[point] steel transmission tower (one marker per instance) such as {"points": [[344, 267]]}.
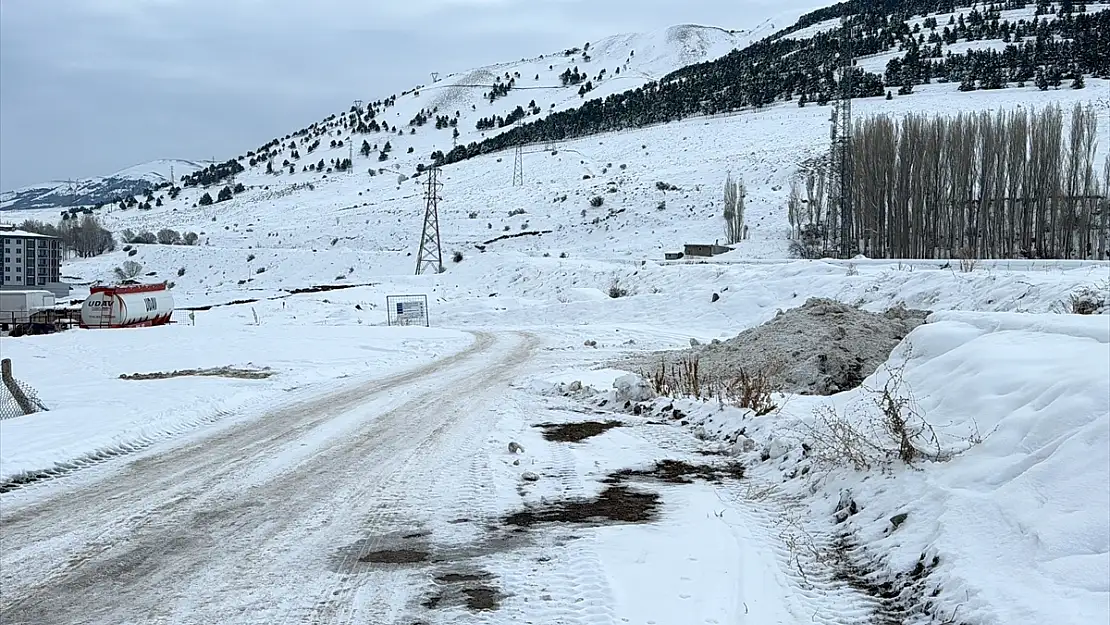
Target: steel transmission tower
{"points": [[431, 250], [518, 166], [840, 149]]}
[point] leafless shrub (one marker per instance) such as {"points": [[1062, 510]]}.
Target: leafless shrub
{"points": [[1086, 300], [128, 270], [682, 378], [968, 262], [891, 429], [755, 390], [616, 290]]}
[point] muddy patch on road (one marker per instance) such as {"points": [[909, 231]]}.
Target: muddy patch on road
{"points": [[395, 556], [455, 584], [418, 549], [470, 589], [620, 504], [576, 432], [679, 472], [616, 504]]}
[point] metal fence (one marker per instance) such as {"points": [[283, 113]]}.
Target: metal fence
{"points": [[16, 398]]}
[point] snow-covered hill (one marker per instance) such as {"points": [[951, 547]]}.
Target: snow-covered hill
{"points": [[127, 182]]}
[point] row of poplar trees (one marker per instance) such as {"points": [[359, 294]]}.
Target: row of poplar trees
{"points": [[1009, 184]]}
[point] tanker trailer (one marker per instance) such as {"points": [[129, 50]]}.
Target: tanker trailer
{"points": [[127, 306]]}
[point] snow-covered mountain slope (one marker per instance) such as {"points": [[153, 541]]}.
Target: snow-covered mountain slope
{"points": [[127, 182], [350, 213]]}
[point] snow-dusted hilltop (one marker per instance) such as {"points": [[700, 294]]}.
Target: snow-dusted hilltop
{"points": [[128, 182]]}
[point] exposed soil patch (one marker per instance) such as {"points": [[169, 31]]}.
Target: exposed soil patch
{"points": [[527, 233], [395, 556], [311, 289], [470, 589], [617, 504], [326, 287], [220, 372], [576, 432], [237, 302], [459, 578], [482, 598], [679, 472]]}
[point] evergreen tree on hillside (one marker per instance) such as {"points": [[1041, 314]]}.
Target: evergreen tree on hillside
{"points": [[205, 199]]}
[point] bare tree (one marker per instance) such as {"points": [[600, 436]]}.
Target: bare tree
{"points": [[985, 185], [734, 210], [86, 237]]}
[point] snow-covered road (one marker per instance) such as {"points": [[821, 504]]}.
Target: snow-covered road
{"points": [[242, 526], [389, 503]]}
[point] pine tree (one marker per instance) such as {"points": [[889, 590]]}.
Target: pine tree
{"points": [[1041, 80]]}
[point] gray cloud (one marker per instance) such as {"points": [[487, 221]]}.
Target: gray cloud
{"points": [[91, 86]]}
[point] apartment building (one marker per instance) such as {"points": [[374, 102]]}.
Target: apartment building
{"points": [[30, 261]]}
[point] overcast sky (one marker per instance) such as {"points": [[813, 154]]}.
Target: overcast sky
{"points": [[88, 87]]}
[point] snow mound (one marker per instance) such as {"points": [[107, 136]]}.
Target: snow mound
{"points": [[819, 348], [1032, 498]]}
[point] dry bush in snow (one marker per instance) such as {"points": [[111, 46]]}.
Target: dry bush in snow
{"points": [[1087, 300], [884, 427]]}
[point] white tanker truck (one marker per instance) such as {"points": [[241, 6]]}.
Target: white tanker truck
{"points": [[127, 306]]}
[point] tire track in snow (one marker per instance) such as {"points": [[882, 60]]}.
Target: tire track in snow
{"points": [[775, 523], [201, 479], [572, 590], [407, 497]]}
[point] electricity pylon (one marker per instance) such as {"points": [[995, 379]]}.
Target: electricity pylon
{"points": [[431, 249]]}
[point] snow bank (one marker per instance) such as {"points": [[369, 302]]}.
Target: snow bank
{"points": [[1019, 523]]}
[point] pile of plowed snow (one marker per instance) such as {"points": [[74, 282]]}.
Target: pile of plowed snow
{"points": [[819, 348]]}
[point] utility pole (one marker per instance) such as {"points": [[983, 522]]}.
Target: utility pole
{"points": [[518, 166], [431, 250], [840, 155], [171, 176], [351, 155]]}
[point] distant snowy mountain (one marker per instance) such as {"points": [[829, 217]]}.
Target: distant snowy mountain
{"points": [[100, 190]]}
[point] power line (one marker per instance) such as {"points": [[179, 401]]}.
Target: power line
{"points": [[492, 86]]}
